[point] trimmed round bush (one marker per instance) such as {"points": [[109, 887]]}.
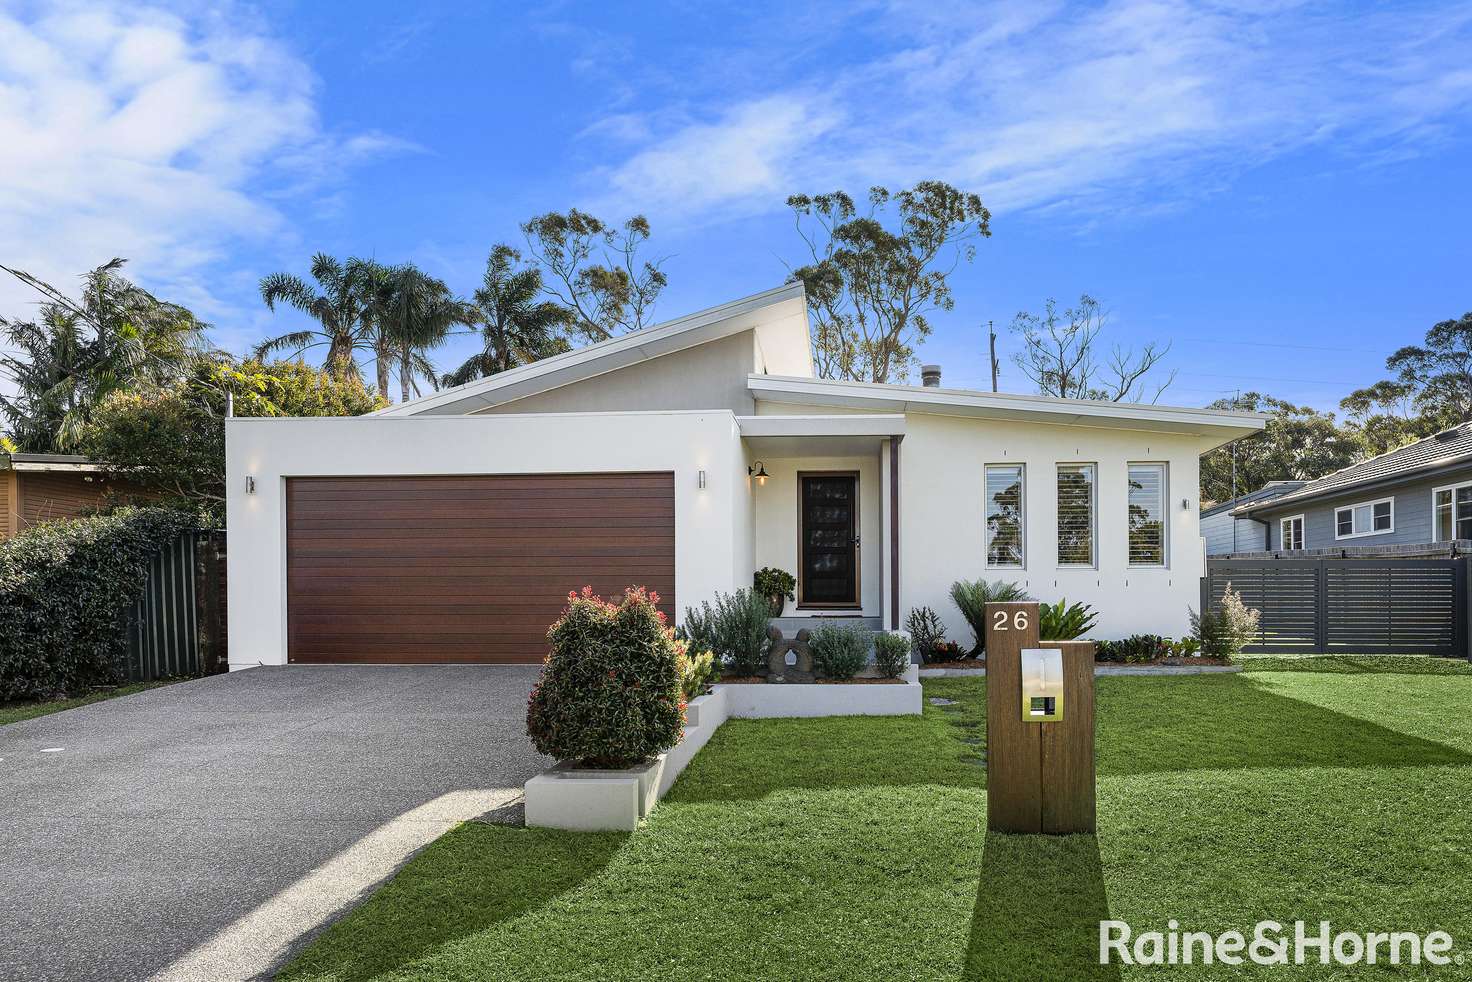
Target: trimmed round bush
{"points": [[839, 651], [65, 591], [610, 692], [891, 654]]}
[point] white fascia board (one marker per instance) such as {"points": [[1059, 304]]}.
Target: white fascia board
{"points": [[596, 359], [799, 426], [32, 467], [1218, 424]]}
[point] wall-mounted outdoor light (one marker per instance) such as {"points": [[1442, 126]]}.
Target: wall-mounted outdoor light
{"points": [[250, 484], [759, 471], [1185, 504], [702, 480]]}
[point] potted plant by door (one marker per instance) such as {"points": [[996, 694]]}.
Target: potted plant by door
{"points": [[776, 585]]}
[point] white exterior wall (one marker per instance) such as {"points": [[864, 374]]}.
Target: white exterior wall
{"points": [[776, 524], [943, 519], [712, 526]]}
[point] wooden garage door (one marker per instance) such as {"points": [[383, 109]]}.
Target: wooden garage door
{"points": [[464, 569]]}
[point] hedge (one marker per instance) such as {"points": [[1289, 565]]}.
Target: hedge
{"points": [[65, 588]]}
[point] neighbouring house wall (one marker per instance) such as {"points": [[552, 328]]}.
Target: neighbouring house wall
{"points": [[709, 541], [943, 530], [707, 376], [42, 496], [1413, 512], [9, 518], [1225, 534], [777, 514]]}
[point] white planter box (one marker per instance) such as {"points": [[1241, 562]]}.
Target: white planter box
{"points": [[758, 701], [569, 797]]}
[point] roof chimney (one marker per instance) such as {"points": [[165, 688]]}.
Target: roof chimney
{"points": [[930, 376]]}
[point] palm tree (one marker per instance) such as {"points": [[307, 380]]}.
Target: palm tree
{"points": [[340, 306], [517, 329], [419, 315], [116, 336], [376, 289]]}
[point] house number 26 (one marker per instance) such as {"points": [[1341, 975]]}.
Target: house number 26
{"points": [[1018, 619]]}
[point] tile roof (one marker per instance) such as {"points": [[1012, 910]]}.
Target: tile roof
{"points": [[1450, 446], [1272, 489]]}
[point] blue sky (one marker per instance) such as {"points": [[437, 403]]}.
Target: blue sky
{"points": [[1279, 189]]}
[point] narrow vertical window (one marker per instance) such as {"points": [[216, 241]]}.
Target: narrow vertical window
{"points": [[1075, 514], [1291, 532], [1004, 515], [1147, 515]]}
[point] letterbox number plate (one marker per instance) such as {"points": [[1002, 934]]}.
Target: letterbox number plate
{"points": [[1042, 685]]}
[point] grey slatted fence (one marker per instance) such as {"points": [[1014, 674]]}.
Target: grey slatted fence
{"points": [[1321, 606], [176, 626]]}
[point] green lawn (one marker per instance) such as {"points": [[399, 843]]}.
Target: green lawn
{"points": [[855, 848], [14, 712]]}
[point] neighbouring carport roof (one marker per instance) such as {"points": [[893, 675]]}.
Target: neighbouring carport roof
{"points": [[1225, 424], [52, 462]]}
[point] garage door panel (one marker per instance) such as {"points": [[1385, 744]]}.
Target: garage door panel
{"points": [[464, 569]]}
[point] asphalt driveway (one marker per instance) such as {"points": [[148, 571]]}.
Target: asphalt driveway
{"points": [[198, 830]]}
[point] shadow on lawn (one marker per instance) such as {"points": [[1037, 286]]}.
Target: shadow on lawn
{"points": [[510, 872], [1231, 722], [1358, 664], [1038, 909]]}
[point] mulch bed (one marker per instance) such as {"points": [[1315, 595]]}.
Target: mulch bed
{"points": [[964, 663], [1166, 661]]}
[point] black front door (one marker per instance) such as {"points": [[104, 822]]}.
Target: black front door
{"points": [[829, 526]]}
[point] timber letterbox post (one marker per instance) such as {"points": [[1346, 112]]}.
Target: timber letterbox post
{"points": [[1039, 726]]}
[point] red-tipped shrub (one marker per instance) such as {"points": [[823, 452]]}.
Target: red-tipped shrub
{"points": [[610, 693]]}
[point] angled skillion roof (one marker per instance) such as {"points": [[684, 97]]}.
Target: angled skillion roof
{"points": [[1441, 451], [1272, 489], [1221, 424], [779, 317]]}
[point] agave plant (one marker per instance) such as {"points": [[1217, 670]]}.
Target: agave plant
{"points": [[971, 598], [1064, 621]]}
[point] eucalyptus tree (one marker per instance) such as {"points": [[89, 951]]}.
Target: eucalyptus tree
{"points": [[596, 270], [871, 287], [116, 335], [340, 306], [516, 327]]}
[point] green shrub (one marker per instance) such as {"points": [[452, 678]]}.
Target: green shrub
{"points": [[971, 598], [1063, 621], [1225, 630], [697, 671], [1134, 649], [610, 691], [839, 651], [65, 590], [1185, 648], [734, 628], [777, 585], [891, 654], [926, 631]]}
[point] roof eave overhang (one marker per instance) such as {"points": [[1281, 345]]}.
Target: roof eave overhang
{"points": [[1218, 426]]}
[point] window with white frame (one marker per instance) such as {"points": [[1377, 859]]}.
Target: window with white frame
{"points": [[1076, 515], [1004, 500], [1453, 512], [1290, 532], [1365, 518], [1146, 504]]}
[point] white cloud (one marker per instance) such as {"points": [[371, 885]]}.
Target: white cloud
{"points": [[1042, 105], [132, 130]]}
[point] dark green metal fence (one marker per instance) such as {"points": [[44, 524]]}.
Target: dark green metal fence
{"points": [[176, 626]]}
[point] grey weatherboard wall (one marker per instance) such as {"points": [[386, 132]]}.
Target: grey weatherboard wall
{"points": [[1217, 530], [1412, 514]]}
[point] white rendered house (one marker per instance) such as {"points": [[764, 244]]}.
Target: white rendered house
{"points": [[451, 528]]}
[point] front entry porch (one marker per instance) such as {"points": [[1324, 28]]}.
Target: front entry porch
{"points": [[825, 512]]}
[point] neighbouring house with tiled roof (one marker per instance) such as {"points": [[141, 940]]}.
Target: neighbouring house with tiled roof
{"points": [[1414, 496]]}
